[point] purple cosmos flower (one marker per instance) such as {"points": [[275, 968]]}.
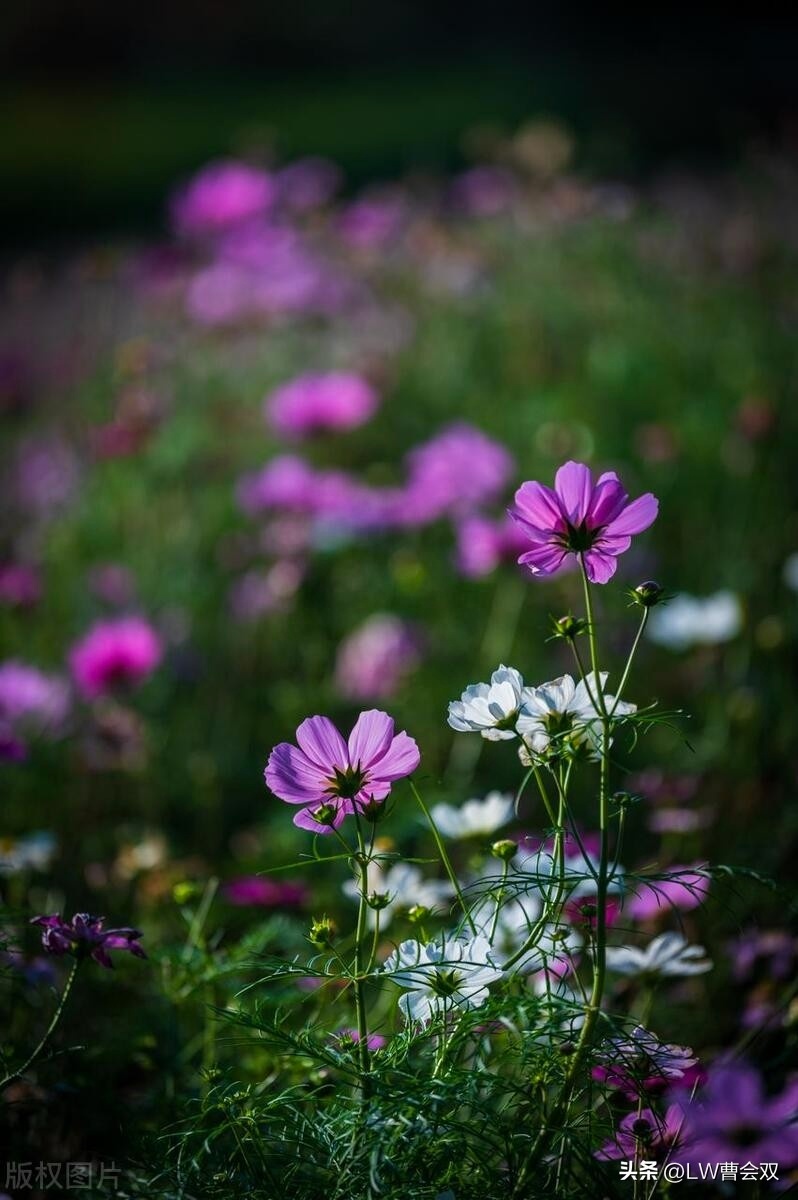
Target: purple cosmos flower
{"points": [[222, 194], [259, 892], [374, 659], [645, 1134], [331, 778], [335, 400], [580, 518], [732, 1120], [122, 651], [85, 937], [642, 1064]]}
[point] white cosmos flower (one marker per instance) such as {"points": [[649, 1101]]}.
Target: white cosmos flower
{"points": [[563, 710], [405, 887], [696, 621], [490, 708], [443, 976], [475, 817], [669, 954]]}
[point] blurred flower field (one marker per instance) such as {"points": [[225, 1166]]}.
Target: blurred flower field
{"points": [[259, 470]]}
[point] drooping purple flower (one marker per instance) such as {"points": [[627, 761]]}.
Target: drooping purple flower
{"points": [[334, 400], [375, 658], [731, 1119], [580, 518], [259, 892], [117, 652], [645, 1134], [331, 778], [222, 194], [86, 937]]}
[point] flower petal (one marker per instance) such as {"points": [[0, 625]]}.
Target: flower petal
{"points": [[401, 758], [573, 484], [370, 737], [600, 567], [636, 517], [537, 509], [293, 777], [322, 743], [544, 560]]}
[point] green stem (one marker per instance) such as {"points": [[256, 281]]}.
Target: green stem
{"points": [[630, 660], [444, 857], [360, 998], [48, 1033]]}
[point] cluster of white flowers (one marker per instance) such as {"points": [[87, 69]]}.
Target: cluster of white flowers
{"points": [[545, 718]]}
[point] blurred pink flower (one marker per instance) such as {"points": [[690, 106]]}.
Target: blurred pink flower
{"points": [[307, 183], [122, 651], [376, 657], [684, 888], [260, 892], [455, 472], [260, 592], [374, 220], [32, 703], [222, 194], [20, 585], [334, 400], [484, 191], [483, 544]]}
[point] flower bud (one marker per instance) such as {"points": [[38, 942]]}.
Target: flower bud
{"points": [[325, 814], [504, 849], [373, 810], [569, 627], [378, 900], [184, 891], [418, 914], [647, 594], [322, 932]]}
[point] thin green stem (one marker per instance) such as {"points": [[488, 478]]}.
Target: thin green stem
{"points": [[630, 660], [360, 998], [31, 1059], [447, 864]]}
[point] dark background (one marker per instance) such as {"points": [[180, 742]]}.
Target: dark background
{"points": [[102, 106]]}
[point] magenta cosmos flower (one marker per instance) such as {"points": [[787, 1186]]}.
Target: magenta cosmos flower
{"points": [[222, 194], [331, 400], [580, 518], [331, 778], [86, 937], [123, 651]]}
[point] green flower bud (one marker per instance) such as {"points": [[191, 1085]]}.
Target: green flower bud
{"points": [[647, 594], [378, 900], [418, 914], [504, 849], [322, 932], [569, 627]]}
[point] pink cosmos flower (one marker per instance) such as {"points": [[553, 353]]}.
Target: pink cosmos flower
{"points": [[374, 659], [31, 704], [331, 778], [222, 194], [122, 651], [685, 888], [645, 1134], [580, 518], [482, 544], [454, 472], [334, 400]]}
